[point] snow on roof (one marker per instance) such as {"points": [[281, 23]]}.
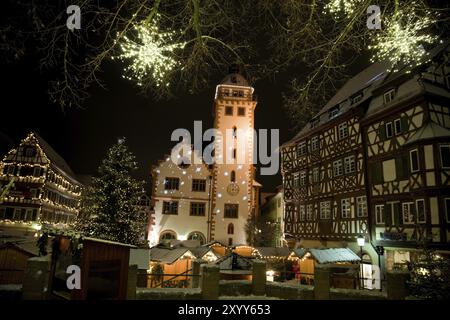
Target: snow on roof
{"points": [[108, 242], [168, 255], [328, 255], [233, 261], [54, 157], [235, 79], [362, 84], [273, 251]]}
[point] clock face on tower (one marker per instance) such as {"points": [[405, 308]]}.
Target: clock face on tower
{"points": [[233, 189]]}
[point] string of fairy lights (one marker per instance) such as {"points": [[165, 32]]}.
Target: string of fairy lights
{"points": [[402, 40], [150, 53], [402, 37]]}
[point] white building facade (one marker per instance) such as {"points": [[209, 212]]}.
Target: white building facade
{"points": [[212, 202]]}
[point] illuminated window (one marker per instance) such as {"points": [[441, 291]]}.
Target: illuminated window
{"points": [[316, 175], [197, 209], [168, 235], [309, 212], [296, 179], [379, 214], [343, 130], [445, 155], [361, 206], [397, 126], [345, 208], [301, 149], [170, 207], [231, 210], [447, 209], [229, 110], [230, 228], [199, 185], [389, 132], [420, 210], [389, 96], [171, 183], [302, 213], [315, 143], [197, 236], [407, 212], [414, 158], [325, 210], [334, 112], [338, 169], [349, 164], [302, 178]]}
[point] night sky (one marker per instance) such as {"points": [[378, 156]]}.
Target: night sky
{"points": [[82, 136]]}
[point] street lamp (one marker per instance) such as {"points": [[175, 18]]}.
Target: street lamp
{"points": [[361, 241]]}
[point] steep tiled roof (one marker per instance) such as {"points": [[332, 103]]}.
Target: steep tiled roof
{"points": [[54, 157]]}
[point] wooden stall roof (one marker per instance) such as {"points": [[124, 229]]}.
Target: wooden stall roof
{"points": [[272, 251], [168, 255], [330, 255], [233, 261], [108, 242]]}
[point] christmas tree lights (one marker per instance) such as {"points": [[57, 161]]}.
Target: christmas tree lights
{"points": [[402, 40], [151, 54]]}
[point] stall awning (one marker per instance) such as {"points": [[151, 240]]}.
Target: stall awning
{"points": [[329, 255], [334, 255]]}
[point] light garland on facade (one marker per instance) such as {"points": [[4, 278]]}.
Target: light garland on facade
{"points": [[402, 39], [151, 54]]}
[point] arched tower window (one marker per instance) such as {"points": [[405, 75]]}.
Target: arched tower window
{"points": [[167, 235], [197, 236], [233, 176], [230, 228]]}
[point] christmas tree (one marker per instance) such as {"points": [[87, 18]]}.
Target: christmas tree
{"points": [[430, 275], [109, 206]]}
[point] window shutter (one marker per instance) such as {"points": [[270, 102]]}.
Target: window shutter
{"points": [[401, 167], [404, 124], [382, 132], [377, 173], [397, 218], [388, 215]]}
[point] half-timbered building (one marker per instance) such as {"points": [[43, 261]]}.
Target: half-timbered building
{"points": [[375, 163], [323, 170], [44, 189], [407, 144]]}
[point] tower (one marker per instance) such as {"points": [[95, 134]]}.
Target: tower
{"points": [[233, 173]]}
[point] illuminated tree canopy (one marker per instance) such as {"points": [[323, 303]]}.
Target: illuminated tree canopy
{"points": [[170, 46]]}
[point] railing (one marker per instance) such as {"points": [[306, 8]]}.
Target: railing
{"points": [[337, 280], [172, 282]]}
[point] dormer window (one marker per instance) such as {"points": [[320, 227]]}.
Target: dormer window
{"points": [[315, 122], [334, 112], [389, 96], [357, 98]]}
